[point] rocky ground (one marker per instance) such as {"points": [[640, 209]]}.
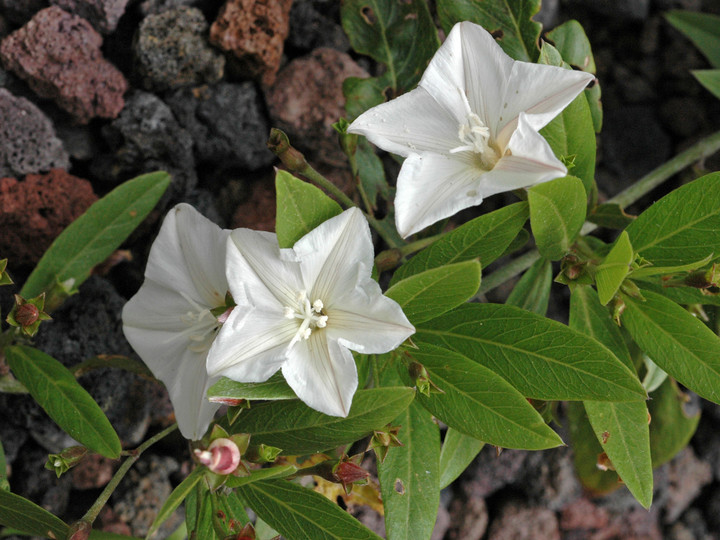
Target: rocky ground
{"points": [[94, 92]]}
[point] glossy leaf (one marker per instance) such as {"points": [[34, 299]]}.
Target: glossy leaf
{"points": [[651, 270], [557, 211], [703, 29], [300, 208], [176, 498], [542, 358], [671, 426], [532, 291], [26, 516], [682, 226], [66, 402], [431, 293], [710, 79], [484, 238], [399, 35], [93, 237], [510, 21], [300, 513], [458, 451], [480, 403], [298, 429], [676, 341], [274, 388], [614, 269]]}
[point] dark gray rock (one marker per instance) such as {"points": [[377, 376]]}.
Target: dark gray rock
{"points": [[31, 480], [171, 50], [520, 522], [637, 10], [311, 28], [153, 7], [491, 472], [102, 14], [227, 123], [28, 143], [146, 137], [687, 476], [554, 483], [20, 11]]}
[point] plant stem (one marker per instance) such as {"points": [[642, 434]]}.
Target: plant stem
{"points": [[94, 510], [700, 150], [390, 258]]}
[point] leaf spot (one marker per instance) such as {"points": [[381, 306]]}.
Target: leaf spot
{"points": [[369, 15], [399, 486], [497, 34]]}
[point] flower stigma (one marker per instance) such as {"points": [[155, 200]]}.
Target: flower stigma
{"points": [[311, 315], [475, 136], [203, 326]]}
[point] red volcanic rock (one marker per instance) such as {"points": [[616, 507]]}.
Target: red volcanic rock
{"points": [[254, 31], [258, 212], [59, 56], [35, 210]]}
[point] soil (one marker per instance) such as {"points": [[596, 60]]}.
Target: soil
{"points": [[94, 92]]}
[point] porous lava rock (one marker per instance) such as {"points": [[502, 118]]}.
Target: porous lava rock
{"points": [[258, 212], [28, 143], [254, 32], [103, 14], [311, 27], [171, 50], [59, 56], [227, 122], [146, 137], [35, 210], [153, 7], [307, 99]]}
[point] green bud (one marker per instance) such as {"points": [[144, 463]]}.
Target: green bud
{"points": [[65, 460], [262, 453], [348, 141], [28, 314]]}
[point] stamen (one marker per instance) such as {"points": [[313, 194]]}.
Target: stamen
{"points": [[311, 315], [289, 313], [318, 306]]}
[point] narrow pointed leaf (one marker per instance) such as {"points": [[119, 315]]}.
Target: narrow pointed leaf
{"points": [[682, 226], [509, 20], [480, 403], [542, 358], [176, 498], [532, 292], [198, 513], [26, 516], [298, 429], [300, 208], [66, 402], [614, 269], [302, 514], [557, 211], [92, 238], [671, 426], [484, 238], [228, 508], [271, 473], [458, 451], [274, 388], [676, 341], [703, 29], [433, 292], [710, 79]]}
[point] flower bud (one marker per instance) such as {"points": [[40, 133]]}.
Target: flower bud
{"points": [[65, 460], [80, 530], [221, 457], [27, 314], [348, 473]]}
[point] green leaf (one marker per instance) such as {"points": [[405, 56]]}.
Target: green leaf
{"points": [[103, 361], [557, 211], [510, 21], [484, 238], [458, 451], [543, 359], [532, 291], [104, 535], [400, 35], [228, 509], [703, 29], [66, 402], [480, 403], [621, 428], [573, 44], [371, 172], [300, 208], [571, 134], [710, 79], [409, 477], [92, 238], [651, 270], [680, 295], [361, 95], [26, 516], [178, 495], [594, 95], [431, 293], [274, 388], [4, 484], [300, 513], [654, 376], [298, 429], [610, 216], [671, 427], [263, 531], [199, 513], [682, 226], [270, 473], [676, 341], [614, 269]]}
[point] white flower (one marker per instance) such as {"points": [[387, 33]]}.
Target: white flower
{"points": [[168, 321], [301, 309], [470, 128]]}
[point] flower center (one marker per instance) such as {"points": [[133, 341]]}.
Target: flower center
{"points": [[311, 315], [203, 326], [475, 136]]}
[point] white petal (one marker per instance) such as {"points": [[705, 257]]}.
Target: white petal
{"points": [[251, 345], [470, 60], [323, 374], [257, 268], [431, 187], [155, 307], [366, 321], [540, 91], [411, 123], [334, 255], [189, 256]]}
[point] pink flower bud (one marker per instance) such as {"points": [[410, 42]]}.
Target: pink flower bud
{"points": [[27, 314], [221, 457]]}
